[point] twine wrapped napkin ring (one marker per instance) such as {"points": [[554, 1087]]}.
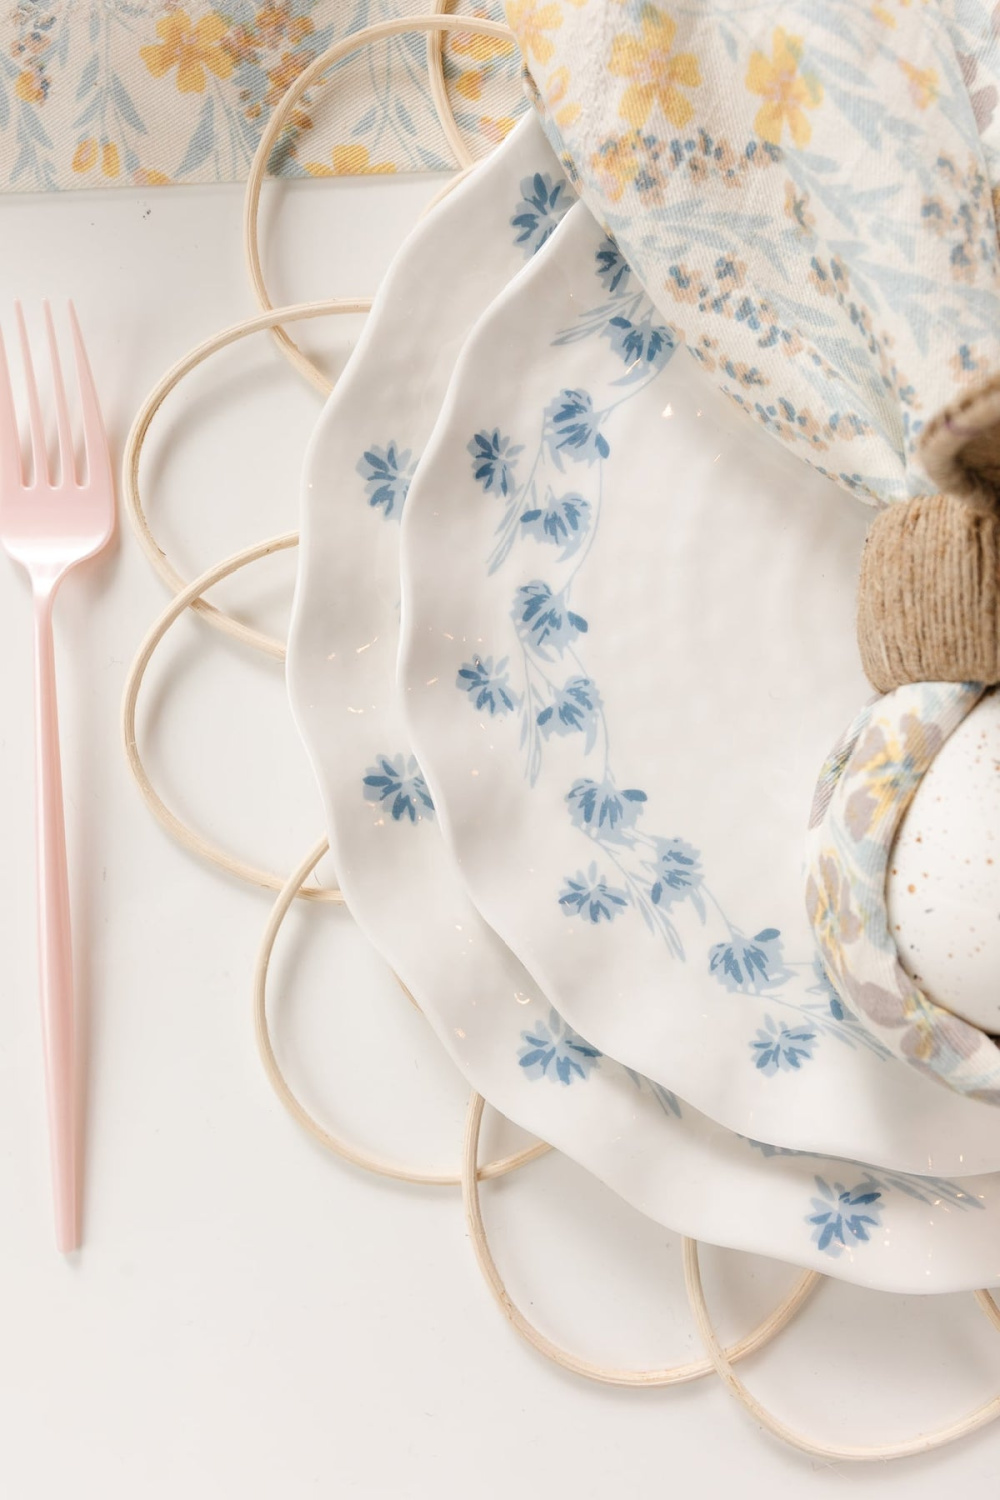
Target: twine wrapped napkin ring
{"points": [[929, 638], [929, 591]]}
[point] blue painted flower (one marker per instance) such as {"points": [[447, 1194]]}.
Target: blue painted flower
{"points": [[396, 783], [642, 344], [613, 269], [599, 808], [488, 686], [824, 987], [843, 1217], [543, 203], [563, 520], [572, 427], [543, 620], [494, 461], [587, 894], [678, 871], [387, 473], [781, 1047], [575, 709], [749, 964], [555, 1051]]}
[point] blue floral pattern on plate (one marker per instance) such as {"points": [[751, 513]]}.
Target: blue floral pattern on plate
{"points": [[780, 1048], [543, 203], [387, 473], [494, 461], [588, 894], [845, 1217], [553, 1050], [396, 783], [655, 875], [488, 686]]}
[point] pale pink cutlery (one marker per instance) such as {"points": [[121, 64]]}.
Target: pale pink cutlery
{"points": [[48, 524]]}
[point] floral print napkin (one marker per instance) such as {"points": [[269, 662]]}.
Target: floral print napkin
{"points": [[149, 92], [806, 189]]}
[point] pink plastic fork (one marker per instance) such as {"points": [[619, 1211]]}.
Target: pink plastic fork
{"points": [[48, 526]]}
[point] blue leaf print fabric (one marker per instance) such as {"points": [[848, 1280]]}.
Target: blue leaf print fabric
{"points": [[807, 188]]}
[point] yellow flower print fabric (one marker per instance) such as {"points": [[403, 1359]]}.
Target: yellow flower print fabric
{"points": [[656, 73], [148, 92], [806, 188]]}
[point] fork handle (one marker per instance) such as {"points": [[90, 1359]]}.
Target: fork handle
{"points": [[55, 953]]}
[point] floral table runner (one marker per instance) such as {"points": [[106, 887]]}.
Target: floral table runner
{"points": [[105, 93]]}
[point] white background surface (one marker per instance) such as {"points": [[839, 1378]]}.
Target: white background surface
{"points": [[249, 1318]]}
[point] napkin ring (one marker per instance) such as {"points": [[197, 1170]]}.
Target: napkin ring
{"points": [[929, 639]]}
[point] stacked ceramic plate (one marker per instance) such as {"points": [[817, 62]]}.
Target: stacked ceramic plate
{"points": [[571, 638]]}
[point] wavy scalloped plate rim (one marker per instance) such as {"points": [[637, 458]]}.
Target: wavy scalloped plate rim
{"points": [[629, 644], [877, 1228]]}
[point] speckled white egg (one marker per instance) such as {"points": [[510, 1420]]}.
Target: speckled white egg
{"points": [[943, 883]]}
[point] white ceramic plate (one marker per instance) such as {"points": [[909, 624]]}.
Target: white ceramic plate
{"points": [[630, 645], [873, 1227]]}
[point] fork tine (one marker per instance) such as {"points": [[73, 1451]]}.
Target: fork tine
{"points": [[95, 435], [11, 477], [39, 457], [67, 468]]}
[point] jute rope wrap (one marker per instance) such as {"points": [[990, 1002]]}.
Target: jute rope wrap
{"points": [[929, 590], [929, 595], [191, 596]]}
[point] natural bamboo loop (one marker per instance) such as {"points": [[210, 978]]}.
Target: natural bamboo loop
{"points": [[359, 1156], [439, 92], [137, 437], [817, 1447], [576, 1363], [187, 837], [434, 23]]}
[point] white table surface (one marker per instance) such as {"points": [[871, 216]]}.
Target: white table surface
{"points": [[250, 1318]]}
